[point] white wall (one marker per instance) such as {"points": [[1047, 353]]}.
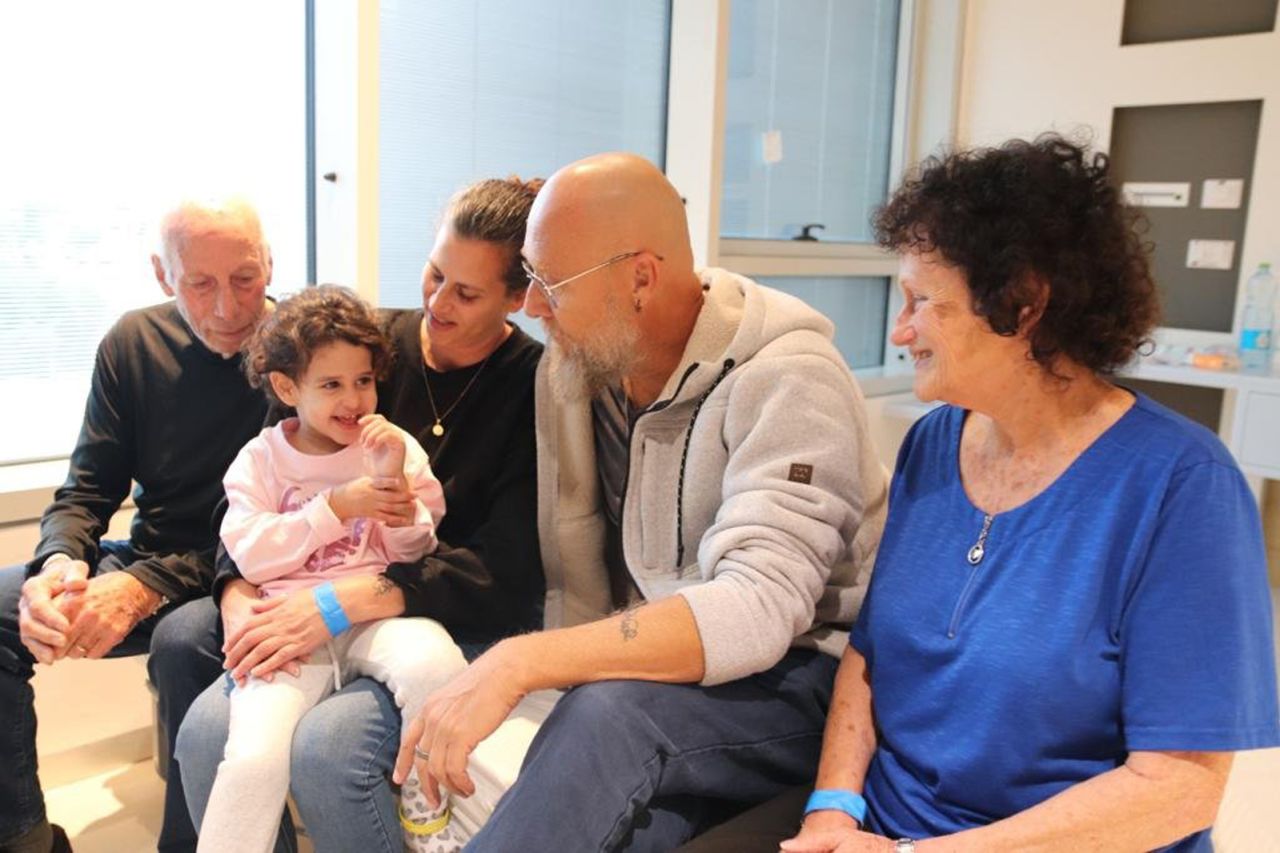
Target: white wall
{"points": [[1031, 67]]}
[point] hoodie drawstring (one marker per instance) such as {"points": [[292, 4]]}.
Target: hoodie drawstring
{"points": [[684, 456]]}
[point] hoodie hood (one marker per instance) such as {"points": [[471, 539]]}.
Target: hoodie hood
{"points": [[739, 318]]}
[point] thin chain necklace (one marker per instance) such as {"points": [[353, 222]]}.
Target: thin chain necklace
{"points": [[438, 428]]}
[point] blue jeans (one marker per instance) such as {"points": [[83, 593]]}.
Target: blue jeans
{"points": [[178, 676], [340, 766], [638, 765]]}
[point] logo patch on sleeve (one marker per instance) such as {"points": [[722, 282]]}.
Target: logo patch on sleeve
{"points": [[800, 473]]}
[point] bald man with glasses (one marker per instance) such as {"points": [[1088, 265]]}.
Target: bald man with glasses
{"points": [[709, 510]]}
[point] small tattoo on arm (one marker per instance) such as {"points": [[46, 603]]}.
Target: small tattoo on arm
{"points": [[628, 625], [383, 585]]}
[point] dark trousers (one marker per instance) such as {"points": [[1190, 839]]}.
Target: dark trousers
{"points": [[637, 765], [760, 829], [178, 675]]}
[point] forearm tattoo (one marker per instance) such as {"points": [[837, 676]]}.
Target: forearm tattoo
{"points": [[628, 625], [383, 585]]}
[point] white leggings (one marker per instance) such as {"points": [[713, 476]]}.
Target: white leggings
{"points": [[411, 656]]}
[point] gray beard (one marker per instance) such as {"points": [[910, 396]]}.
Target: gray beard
{"points": [[585, 369]]}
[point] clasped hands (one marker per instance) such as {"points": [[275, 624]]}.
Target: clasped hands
{"points": [[65, 613]]}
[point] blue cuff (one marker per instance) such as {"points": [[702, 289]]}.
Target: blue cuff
{"points": [[840, 800], [335, 618]]}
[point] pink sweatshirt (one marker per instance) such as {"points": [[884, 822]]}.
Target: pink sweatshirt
{"points": [[281, 532]]}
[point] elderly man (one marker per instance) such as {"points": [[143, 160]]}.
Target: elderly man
{"points": [[168, 409], [705, 475]]}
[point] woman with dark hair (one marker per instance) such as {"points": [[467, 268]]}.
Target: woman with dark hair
{"points": [[461, 382], [1068, 629]]}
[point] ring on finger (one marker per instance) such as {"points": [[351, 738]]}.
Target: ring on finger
{"points": [[421, 753]]}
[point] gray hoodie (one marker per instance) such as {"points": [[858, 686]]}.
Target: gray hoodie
{"points": [[753, 490]]}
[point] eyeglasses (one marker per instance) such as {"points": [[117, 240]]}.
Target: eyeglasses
{"points": [[548, 289]]}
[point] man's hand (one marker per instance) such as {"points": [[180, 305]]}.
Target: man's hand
{"points": [[277, 633], [456, 718], [830, 831], [108, 609], [42, 622], [384, 499]]}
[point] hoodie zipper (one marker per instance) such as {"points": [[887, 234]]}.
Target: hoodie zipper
{"points": [[684, 457]]}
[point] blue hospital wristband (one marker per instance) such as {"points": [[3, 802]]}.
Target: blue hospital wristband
{"points": [[840, 800], [335, 618]]}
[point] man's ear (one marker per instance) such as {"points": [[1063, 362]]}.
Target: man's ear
{"points": [[644, 280], [157, 264], [284, 387]]}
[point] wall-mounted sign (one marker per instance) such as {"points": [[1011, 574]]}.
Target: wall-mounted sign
{"points": [[1137, 194]]}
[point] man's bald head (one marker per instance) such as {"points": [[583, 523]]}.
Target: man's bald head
{"points": [[617, 219], [612, 203]]}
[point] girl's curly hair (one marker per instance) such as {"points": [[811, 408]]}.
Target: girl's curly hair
{"points": [[290, 335], [1027, 213]]}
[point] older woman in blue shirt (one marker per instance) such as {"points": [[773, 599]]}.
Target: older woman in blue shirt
{"points": [[1068, 631]]}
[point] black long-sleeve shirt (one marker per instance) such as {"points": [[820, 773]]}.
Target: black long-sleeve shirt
{"points": [[485, 580], [165, 412]]}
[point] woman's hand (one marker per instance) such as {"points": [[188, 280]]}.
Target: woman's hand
{"points": [[276, 633], [385, 499], [830, 831]]}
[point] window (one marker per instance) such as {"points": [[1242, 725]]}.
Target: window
{"points": [[856, 304], [813, 131], [500, 87], [808, 117], [113, 112]]}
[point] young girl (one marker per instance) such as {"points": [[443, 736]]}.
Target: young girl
{"points": [[334, 492]]}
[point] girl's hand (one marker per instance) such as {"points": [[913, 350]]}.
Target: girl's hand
{"points": [[381, 499], [277, 632], [383, 447]]}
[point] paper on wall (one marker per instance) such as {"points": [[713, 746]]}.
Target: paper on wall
{"points": [[1210, 254], [1222, 193]]}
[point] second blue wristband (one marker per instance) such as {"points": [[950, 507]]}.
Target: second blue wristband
{"points": [[840, 800], [335, 618]]}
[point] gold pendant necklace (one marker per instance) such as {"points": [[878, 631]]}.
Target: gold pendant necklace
{"points": [[437, 429]]}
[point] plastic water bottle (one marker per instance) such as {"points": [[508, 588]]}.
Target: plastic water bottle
{"points": [[1259, 315]]}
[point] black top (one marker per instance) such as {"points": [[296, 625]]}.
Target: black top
{"points": [[614, 422], [170, 414], [485, 580]]}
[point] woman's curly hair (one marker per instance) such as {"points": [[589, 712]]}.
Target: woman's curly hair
{"points": [[1030, 212], [289, 336]]}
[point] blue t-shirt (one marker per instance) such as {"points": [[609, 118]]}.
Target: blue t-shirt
{"points": [[1125, 607]]}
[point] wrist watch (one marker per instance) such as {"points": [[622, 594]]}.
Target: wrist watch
{"points": [[904, 845]]}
